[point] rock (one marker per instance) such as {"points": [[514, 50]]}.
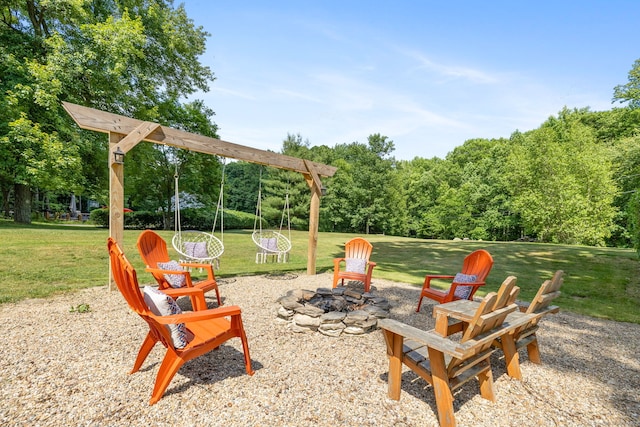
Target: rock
{"points": [[333, 317], [302, 329], [353, 330], [304, 320], [310, 310], [332, 326], [284, 313], [339, 290], [330, 332], [290, 303], [353, 294], [357, 316], [376, 311]]}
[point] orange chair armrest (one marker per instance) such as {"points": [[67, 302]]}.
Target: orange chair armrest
{"points": [[183, 291], [196, 265], [468, 284], [372, 264], [427, 279], [186, 274], [454, 285], [207, 267], [197, 316], [337, 261], [161, 271]]}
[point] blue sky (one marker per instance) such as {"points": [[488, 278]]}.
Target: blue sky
{"points": [[429, 75]]}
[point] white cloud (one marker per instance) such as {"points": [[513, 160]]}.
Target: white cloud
{"points": [[448, 71]]}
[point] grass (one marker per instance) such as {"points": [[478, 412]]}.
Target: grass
{"points": [[40, 260]]}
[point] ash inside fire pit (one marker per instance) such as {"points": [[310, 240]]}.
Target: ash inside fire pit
{"points": [[332, 312]]}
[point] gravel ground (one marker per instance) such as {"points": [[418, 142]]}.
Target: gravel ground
{"points": [[63, 368]]}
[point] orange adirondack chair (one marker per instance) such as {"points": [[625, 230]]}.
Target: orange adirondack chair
{"points": [[204, 330], [477, 263], [153, 250], [357, 265]]}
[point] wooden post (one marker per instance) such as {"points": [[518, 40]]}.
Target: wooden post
{"points": [[313, 180], [314, 216], [394, 351], [441, 388], [116, 196]]}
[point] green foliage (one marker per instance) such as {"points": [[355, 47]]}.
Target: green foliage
{"points": [[630, 92], [80, 308], [241, 186], [561, 182], [600, 282], [201, 219], [99, 217], [136, 58], [361, 196], [572, 180]]}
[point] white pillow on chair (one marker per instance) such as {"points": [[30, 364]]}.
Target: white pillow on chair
{"points": [[175, 280], [355, 265], [162, 304], [463, 292]]}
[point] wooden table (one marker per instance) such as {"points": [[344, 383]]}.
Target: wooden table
{"points": [[454, 316]]}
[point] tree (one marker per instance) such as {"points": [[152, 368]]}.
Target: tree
{"points": [[630, 92], [241, 189], [131, 57], [561, 182], [362, 196]]}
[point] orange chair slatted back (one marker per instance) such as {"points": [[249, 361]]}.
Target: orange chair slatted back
{"points": [[478, 263], [358, 248]]}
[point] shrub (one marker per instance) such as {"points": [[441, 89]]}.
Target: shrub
{"points": [[190, 219], [100, 217]]}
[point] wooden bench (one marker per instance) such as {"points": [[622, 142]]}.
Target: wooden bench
{"points": [[525, 336], [454, 317], [447, 364]]}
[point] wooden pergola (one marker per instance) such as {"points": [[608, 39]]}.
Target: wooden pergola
{"points": [[125, 133]]}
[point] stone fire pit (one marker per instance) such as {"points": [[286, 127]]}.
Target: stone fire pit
{"points": [[332, 312]]}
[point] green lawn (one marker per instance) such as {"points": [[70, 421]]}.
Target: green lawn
{"points": [[42, 259]]}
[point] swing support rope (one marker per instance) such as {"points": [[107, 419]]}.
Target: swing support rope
{"points": [[188, 244], [285, 209], [271, 243], [219, 205]]}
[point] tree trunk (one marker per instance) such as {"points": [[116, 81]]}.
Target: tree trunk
{"points": [[22, 206], [6, 206]]}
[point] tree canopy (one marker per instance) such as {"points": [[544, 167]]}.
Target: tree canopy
{"points": [[574, 179], [131, 57]]}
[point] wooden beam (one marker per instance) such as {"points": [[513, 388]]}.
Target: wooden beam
{"points": [[125, 133], [314, 174], [142, 131], [101, 121]]}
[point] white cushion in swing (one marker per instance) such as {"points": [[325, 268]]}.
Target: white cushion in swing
{"points": [[270, 244], [355, 265], [196, 249]]}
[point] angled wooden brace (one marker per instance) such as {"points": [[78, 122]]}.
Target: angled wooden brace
{"points": [[315, 178], [141, 132]]}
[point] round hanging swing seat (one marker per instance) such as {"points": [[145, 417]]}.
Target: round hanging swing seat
{"points": [[198, 246], [272, 244]]}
